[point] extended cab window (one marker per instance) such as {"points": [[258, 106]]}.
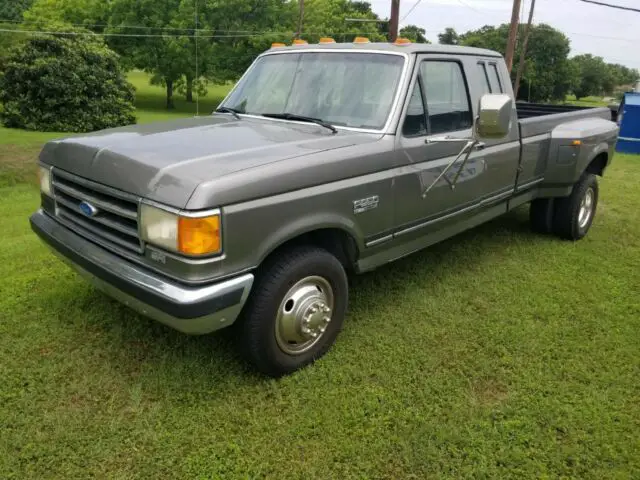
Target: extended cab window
{"points": [[447, 97], [496, 84], [415, 122], [484, 78]]}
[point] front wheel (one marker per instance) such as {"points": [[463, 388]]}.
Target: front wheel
{"points": [[574, 214], [295, 311]]}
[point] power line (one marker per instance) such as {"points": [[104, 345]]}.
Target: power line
{"points": [[610, 5], [143, 35], [175, 35], [410, 10], [465, 4], [249, 33]]}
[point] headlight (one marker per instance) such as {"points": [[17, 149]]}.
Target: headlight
{"points": [[44, 174], [188, 234]]}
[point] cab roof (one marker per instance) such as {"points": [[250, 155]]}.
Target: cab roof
{"points": [[390, 47]]}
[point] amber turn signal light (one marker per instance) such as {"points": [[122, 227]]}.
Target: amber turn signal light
{"points": [[199, 236]]}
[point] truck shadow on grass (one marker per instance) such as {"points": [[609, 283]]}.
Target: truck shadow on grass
{"points": [[137, 344]]}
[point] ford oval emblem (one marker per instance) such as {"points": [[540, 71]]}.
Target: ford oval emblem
{"points": [[88, 209]]}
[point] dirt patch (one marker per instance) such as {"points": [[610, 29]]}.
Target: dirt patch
{"points": [[18, 164]]}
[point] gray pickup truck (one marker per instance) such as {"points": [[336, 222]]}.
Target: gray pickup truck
{"points": [[323, 160]]}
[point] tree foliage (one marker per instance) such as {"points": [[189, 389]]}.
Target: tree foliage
{"points": [[66, 85], [597, 77], [449, 37], [593, 75], [61, 14], [547, 74], [414, 33], [328, 18], [12, 10]]}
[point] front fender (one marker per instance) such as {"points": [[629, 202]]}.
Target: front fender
{"points": [[299, 226]]}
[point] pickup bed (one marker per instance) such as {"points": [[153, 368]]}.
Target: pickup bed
{"points": [[323, 160]]}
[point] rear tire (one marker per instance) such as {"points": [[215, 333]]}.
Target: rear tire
{"points": [[295, 311], [574, 214], [541, 215]]}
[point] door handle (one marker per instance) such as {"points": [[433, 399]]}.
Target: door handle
{"points": [[479, 146]]}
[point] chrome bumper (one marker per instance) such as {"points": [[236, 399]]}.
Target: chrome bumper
{"points": [[194, 310]]}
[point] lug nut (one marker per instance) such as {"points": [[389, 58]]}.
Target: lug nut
{"points": [[327, 319]]}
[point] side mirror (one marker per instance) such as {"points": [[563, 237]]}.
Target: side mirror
{"points": [[494, 119]]}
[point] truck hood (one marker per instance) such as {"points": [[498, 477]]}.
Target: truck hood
{"points": [[166, 161]]}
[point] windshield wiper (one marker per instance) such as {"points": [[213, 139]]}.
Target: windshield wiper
{"points": [[301, 118], [232, 111]]}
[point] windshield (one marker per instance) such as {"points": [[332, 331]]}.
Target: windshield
{"points": [[346, 89]]}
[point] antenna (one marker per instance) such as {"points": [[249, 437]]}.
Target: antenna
{"points": [[197, 77]]}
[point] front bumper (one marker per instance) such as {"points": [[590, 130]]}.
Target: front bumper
{"points": [[195, 310]]}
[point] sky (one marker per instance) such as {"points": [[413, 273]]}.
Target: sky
{"points": [[606, 32]]}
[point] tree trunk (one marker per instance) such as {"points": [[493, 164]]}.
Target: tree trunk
{"points": [[170, 104], [189, 89]]}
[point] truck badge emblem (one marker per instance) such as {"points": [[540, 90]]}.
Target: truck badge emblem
{"points": [[365, 204], [87, 209]]}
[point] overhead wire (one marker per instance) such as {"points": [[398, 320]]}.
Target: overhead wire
{"points": [[410, 10], [610, 5]]}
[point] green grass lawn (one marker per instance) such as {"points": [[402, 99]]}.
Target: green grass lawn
{"points": [[499, 353], [588, 101]]}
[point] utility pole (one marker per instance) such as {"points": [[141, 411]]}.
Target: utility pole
{"points": [[301, 18], [394, 20], [523, 52], [513, 33]]}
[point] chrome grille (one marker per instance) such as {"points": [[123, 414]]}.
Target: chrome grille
{"points": [[116, 221]]}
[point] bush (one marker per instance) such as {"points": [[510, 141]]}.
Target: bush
{"points": [[64, 85]]}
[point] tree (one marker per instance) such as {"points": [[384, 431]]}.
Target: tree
{"points": [[12, 10], [547, 68], [414, 33], [225, 46], [61, 84], [593, 75], [62, 14], [326, 18], [449, 37], [623, 75]]}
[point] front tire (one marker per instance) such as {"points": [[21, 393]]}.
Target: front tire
{"points": [[295, 311], [574, 214]]}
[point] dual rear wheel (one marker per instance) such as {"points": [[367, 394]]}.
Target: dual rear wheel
{"points": [[567, 217]]}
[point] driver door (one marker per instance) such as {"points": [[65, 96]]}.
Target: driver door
{"points": [[440, 105]]}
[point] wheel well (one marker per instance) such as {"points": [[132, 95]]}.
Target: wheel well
{"points": [[336, 241], [598, 164]]}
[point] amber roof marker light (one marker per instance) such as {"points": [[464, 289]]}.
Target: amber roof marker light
{"points": [[402, 42]]}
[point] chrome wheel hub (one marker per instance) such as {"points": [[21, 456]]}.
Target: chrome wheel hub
{"points": [[304, 315], [586, 208]]}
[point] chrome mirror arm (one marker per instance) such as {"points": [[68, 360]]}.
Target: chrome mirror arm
{"points": [[466, 151]]}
